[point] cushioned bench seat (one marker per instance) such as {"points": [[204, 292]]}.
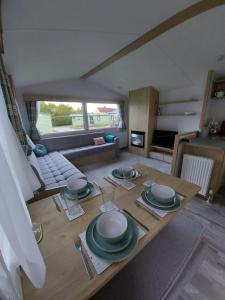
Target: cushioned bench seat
{"points": [[53, 170], [87, 150], [79, 145]]}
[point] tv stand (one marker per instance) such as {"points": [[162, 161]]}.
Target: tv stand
{"points": [[161, 153], [169, 155]]}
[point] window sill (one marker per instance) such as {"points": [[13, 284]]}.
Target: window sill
{"points": [[77, 132]]}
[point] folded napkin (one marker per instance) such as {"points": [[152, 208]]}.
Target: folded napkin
{"points": [[158, 212], [69, 216], [100, 264], [95, 193], [125, 183]]}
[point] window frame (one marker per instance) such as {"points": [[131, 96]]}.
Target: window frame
{"points": [[85, 120], [100, 128]]}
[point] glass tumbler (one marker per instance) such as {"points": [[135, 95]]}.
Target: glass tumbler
{"points": [[108, 196], [72, 206]]}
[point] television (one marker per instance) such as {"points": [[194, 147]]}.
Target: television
{"points": [[164, 138]]}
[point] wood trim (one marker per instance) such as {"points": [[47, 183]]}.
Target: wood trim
{"points": [[179, 102], [44, 97], [207, 95], [93, 158], [178, 138], [44, 194], [177, 19], [163, 149], [142, 113]]}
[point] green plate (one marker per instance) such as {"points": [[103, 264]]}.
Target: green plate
{"points": [[101, 244], [118, 175], [149, 196], [154, 203], [117, 256], [81, 196]]}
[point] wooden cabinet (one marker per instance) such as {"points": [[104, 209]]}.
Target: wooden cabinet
{"points": [[142, 109]]}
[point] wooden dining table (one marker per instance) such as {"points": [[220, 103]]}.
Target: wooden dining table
{"points": [[65, 274]]}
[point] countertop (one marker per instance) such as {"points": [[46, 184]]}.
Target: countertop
{"points": [[208, 142]]}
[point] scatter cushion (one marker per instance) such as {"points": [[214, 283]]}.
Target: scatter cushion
{"points": [[40, 150], [36, 168], [30, 142], [109, 138], [99, 140]]}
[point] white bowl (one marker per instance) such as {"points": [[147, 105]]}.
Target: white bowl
{"points": [[125, 171], [76, 185], [163, 193], [112, 226]]}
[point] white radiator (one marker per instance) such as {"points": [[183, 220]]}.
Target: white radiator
{"points": [[198, 170]]}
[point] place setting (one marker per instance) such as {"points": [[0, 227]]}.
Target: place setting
{"points": [[112, 236], [76, 191], [123, 176], [159, 200]]}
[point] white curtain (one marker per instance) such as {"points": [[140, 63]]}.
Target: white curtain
{"points": [[121, 107], [17, 183]]}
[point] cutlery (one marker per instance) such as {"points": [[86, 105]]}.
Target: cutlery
{"points": [[56, 204], [148, 210], [78, 246], [137, 221], [110, 181], [98, 186]]}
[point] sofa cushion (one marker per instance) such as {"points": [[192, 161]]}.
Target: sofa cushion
{"points": [[110, 138], [88, 150], [40, 150], [69, 142], [99, 140], [36, 168], [56, 170]]}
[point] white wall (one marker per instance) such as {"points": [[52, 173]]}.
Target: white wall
{"points": [[181, 123], [75, 88]]}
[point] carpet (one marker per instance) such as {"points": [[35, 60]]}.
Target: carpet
{"points": [[155, 270]]}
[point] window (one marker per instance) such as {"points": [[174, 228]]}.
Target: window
{"points": [[59, 117], [56, 117], [102, 115]]}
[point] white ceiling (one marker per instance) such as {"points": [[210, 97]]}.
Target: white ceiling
{"points": [[52, 40]]}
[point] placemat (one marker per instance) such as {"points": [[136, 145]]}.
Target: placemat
{"points": [[100, 264], [128, 185], [95, 193], [159, 212]]}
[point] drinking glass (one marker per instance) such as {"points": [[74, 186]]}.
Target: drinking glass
{"points": [[150, 178], [73, 206], [108, 196]]}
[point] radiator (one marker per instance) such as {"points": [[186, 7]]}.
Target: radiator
{"points": [[198, 170]]}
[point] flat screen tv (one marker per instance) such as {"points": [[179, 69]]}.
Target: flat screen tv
{"points": [[164, 138]]}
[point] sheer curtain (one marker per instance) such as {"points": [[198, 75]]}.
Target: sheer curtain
{"points": [[121, 107], [18, 246]]}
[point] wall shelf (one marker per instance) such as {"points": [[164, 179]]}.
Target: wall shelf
{"points": [[218, 85], [189, 114], [179, 102], [164, 149]]}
